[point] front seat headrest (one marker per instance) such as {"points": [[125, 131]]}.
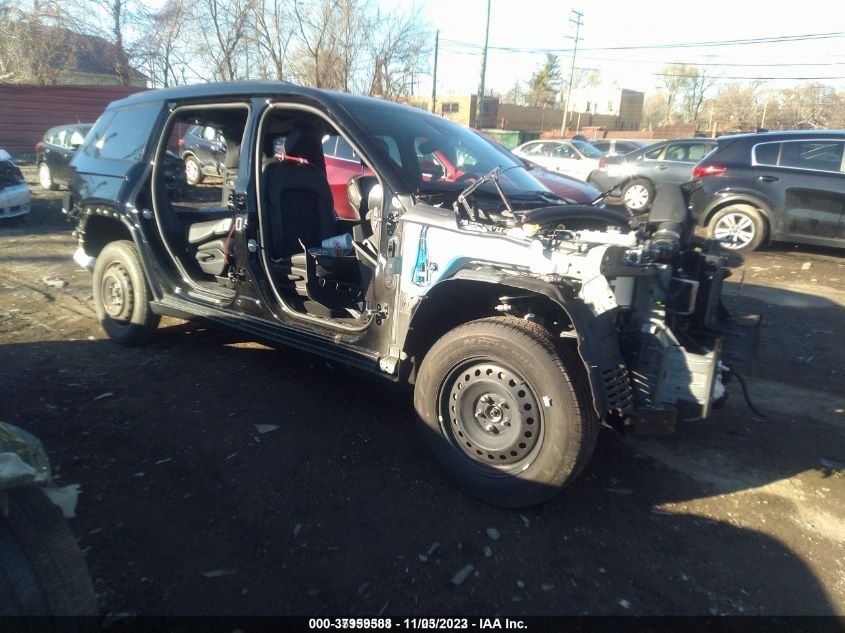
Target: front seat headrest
{"points": [[306, 141]]}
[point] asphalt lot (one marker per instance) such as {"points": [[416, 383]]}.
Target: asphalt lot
{"points": [[187, 506]]}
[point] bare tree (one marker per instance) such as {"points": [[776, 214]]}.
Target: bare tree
{"points": [[314, 25], [272, 28], [35, 46], [398, 49], [164, 39], [221, 27]]}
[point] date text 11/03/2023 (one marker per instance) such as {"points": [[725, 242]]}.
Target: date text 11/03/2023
{"points": [[416, 623]]}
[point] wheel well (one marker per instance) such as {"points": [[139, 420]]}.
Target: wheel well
{"points": [[740, 203], [100, 231], [458, 301]]}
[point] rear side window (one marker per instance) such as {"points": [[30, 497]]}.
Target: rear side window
{"points": [[767, 153], [95, 134], [821, 155], [655, 153], [345, 151], [127, 134]]}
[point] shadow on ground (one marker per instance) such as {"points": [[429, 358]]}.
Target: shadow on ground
{"points": [[188, 507]]}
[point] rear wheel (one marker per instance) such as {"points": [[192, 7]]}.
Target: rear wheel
{"points": [[506, 411], [122, 296], [738, 227], [638, 194], [45, 177]]}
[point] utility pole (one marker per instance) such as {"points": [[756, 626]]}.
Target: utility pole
{"points": [[576, 20], [434, 80], [480, 105], [763, 120]]}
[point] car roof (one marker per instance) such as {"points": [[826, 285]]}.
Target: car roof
{"points": [[783, 135], [248, 89]]}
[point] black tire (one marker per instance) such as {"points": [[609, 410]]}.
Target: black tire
{"points": [[638, 185], [122, 295], [738, 227], [43, 571], [45, 177], [193, 170], [533, 428]]}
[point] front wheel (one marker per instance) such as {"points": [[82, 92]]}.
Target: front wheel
{"points": [[506, 411], [122, 296], [45, 177], [738, 227]]}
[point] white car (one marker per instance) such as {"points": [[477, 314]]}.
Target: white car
{"points": [[14, 192], [574, 158]]}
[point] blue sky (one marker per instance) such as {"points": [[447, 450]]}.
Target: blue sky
{"points": [[544, 24]]}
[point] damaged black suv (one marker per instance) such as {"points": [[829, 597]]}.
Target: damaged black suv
{"points": [[521, 321]]}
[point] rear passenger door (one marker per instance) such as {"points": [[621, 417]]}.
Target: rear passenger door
{"points": [[678, 162], [809, 183]]}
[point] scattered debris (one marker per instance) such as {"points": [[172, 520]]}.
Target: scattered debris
{"points": [[424, 557], [461, 576], [296, 529], [103, 396], [620, 491], [520, 584], [54, 282], [265, 428], [547, 586], [216, 573], [65, 498], [363, 587], [493, 533], [516, 598], [313, 593], [624, 604], [164, 461], [806, 265], [525, 520], [138, 474], [488, 551]]}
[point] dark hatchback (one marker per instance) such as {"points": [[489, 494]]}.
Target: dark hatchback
{"points": [[773, 186], [55, 150]]}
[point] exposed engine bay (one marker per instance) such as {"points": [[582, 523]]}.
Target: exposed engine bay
{"points": [[659, 283]]}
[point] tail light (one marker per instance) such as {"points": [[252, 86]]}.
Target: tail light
{"points": [[603, 161], [181, 142], [708, 170], [38, 146]]}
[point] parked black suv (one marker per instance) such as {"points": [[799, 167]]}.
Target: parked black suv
{"points": [[773, 186], [518, 318], [203, 149]]}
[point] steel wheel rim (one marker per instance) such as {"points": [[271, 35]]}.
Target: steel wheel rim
{"points": [[492, 415], [44, 176], [636, 197], [191, 169], [734, 230], [116, 294]]}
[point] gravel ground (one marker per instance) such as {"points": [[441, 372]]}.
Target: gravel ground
{"points": [[220, 476]]}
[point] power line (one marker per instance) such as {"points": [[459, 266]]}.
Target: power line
{"points": [[762, 78], [738, 42]]}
